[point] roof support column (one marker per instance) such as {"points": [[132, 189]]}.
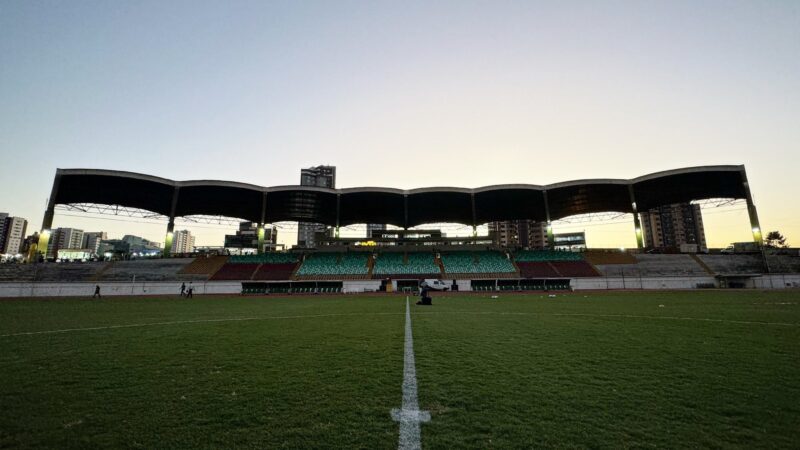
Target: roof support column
{"points": [[338, 205], [636, 221], [474, 217], [405, 211], [261, 225], [47, 220], [171, 225], [755, 225], [551, 240], [260, 233]]}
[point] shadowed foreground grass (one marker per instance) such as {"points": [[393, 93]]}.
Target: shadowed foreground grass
{"points": [[599, 370], [310, 382]]}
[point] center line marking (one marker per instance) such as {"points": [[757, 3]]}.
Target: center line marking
{"points": [[409, 414]]}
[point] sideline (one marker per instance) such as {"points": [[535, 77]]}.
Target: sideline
{"points": [[181, 322]]}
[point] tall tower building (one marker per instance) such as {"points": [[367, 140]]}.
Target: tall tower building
{"points": [[14, 234], [519, 233], [182, 242], [670, 226], [3, 217], [319, 176]]}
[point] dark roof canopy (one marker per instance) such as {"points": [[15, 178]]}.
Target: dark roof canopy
{"points": [[403, 208]]}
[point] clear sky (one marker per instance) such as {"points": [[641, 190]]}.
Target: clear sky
{"points": [[402, 94]]}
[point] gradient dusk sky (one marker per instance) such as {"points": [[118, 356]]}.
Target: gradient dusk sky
{"points": [[402, 94]]}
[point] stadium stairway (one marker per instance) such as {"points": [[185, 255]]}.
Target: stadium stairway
{"points": [[702, 264], [438, 260], [370, 265], [106, 267]]}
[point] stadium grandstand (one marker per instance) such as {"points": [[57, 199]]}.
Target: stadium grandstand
{"points": [[401, 258]]}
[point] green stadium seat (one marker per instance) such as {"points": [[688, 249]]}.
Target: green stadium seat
{"points": [[395, 263], [326, 264], [483, 262]]}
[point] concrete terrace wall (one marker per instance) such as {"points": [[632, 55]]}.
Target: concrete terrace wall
{"points": [[356, 286], [113, 288], [777, 281], [642, 282], [28, 289]]}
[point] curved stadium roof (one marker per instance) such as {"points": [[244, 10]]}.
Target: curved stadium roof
{"points": [[403, 208]]}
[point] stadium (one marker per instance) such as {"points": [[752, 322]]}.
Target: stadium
{"points": [[399, 225]]}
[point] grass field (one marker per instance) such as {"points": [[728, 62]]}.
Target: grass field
{"points": [[710, 369]]}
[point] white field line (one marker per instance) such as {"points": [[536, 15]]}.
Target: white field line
{"points": [[618, 316], [181, 322], [312, 316], [409, 414]]}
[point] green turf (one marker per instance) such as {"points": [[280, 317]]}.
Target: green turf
{"points": [[578, 370]]}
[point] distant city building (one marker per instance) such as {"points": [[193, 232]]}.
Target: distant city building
{"points": [[114, 248], [64, 238], [246, 238], [139, 246], [672, 226], [319, 176], [29, 241], [519, 233], [371, 227], [92, 239], [182, 242], [12, 233]]}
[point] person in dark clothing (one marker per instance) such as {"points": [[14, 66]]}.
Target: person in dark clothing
{"points": [[424, 298], [96, 291], [183, 289]]}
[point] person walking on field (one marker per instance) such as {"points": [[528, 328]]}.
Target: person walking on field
{"points": [[183, 289], [189, 292], [96, 291]]}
